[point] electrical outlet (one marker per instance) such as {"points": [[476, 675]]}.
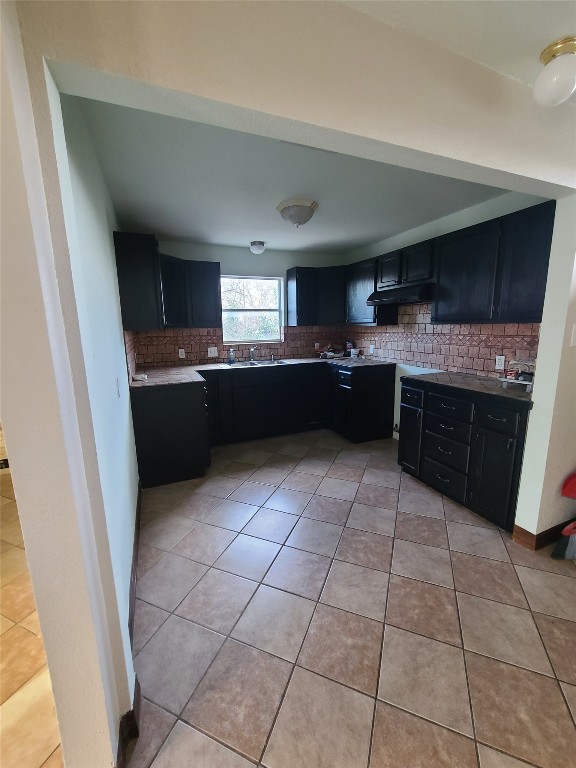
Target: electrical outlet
{"points": [[181, 354], [499, 363], [371, 349], [316, 345], [212, 351]]}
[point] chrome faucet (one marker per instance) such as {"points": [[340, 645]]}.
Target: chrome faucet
{"points": [[252, 353]]}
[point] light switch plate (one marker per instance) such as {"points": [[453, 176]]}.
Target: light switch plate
{"points": [[371, 349], [212, 351], [499, 363], [316, 345], [181, 354]]}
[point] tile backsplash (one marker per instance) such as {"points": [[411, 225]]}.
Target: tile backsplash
{"points": [[469, 348]]}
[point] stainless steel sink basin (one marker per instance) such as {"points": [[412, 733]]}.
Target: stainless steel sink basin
{"points": [[255, 363]]}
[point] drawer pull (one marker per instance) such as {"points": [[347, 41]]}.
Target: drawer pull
{"points": [[448, 407], [495, 418], [444, 479], [444, 426], [441, 450]]}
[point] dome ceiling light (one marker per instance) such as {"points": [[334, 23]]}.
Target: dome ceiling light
{"points": [[297, 211], [257, 246], [557, 81]]}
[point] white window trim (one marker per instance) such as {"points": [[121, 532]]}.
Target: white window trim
{"points": [[281, 310]]}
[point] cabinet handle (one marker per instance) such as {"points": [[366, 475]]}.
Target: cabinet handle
{"points": [[509, 445], [448, 407], [495, 418], [448, 453], [444, 426], [444, 479]]}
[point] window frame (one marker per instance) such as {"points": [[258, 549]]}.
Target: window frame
{"points": [[279, 310]]}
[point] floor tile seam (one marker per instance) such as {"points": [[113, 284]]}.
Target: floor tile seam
{"points": [[414, 541], [427, 719], [542, 570], [491, 599], [421, 634], [381, 655], [216, 740], [464, 660], [521, 760], [546, 649], [369, 567], [553, 678], [571, 713], [50, 755]]}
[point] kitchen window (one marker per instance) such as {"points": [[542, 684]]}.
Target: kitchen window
{"points": [[251, 308]]}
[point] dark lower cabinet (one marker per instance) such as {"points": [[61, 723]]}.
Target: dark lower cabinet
{"points": [[171, 432], [363, 401], [254, 402], [491, 479], [409, 445], [474, 454]]}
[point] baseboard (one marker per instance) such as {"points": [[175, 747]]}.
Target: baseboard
{"points": [[128, 729], [538, 540], [134, 571]]}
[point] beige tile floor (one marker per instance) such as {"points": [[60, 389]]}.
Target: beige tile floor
{"points": [[306, 605], [29, 735]]}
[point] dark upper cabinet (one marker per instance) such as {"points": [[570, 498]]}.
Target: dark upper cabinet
{"points": [[175, 298], [388, 270], [204, 294], [525, 241], [159, 291], [466, 274], [360, 283], [301, 295], [330, 295], [417, 262], [138, 268]]}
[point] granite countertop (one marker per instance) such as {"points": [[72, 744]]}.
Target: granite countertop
{"points": [[183, 374], [484, 384]]}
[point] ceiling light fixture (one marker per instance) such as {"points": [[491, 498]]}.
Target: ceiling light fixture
{"points": [[557, 81], [257, 246], [297, 211]]}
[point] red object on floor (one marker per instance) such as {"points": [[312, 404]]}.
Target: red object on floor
{"points": [[569, 486]]}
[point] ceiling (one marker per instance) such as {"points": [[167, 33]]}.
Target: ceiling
{"points": [[189, 181], [183, 180], [504, 35]]}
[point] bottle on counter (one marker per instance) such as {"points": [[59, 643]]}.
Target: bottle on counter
{"points": [[231, 357]]}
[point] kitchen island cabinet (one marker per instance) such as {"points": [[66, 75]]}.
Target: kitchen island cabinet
{"points": [[467, 440]]}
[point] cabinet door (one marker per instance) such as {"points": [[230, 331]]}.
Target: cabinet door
{"points": [[249, 404], [316, 394], [360, 283], [388, 270], [301, 296], [417, 263], [175, 304], [490, 475], [466, 264], [138, 268], [410, 438], [330, 296], [524, 253], [170, 432], [204, 291]]}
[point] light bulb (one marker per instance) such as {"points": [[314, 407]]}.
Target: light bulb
{"points": [[257, 246], [557, 81]]}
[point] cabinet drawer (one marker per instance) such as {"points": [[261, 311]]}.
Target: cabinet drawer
{"points": [[411, 396], [454, 430], [446, 480], [449, 406], [498, 420], [447, 452]]}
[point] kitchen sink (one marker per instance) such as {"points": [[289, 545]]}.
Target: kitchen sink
{"points": [[255, 363]]}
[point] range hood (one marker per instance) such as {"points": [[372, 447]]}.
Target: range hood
{"points": [[402, 294]]}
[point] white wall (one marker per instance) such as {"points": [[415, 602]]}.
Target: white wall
{"points": [[90, 221], [46, 419], [491, 209], [550, 453]]}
